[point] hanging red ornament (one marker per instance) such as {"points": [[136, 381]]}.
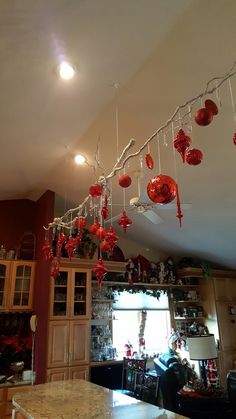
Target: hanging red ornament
{"points": [[104, 211], [234, 138], [125, 181], [161, 189], [111, 238], [179, 212], [149, 161], [104, 246], [70, 246], [101, 233], [181, 143], [203, 117], [124, 222], [47, 250], [80, 223], [93, 228], [60, 241], [211, 106], [100, 270], [194, 157], [95, 190]]}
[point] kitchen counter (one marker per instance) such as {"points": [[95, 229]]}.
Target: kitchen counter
{"points": [[77, 399]]}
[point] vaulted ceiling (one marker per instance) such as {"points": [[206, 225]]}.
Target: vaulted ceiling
{"points": [[136, 61]]}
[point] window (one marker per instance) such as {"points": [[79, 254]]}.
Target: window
{"points": [[137, 313]]}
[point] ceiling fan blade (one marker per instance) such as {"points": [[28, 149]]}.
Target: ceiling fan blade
{"points": [[117, 217], [172, 205], [152, 216]]}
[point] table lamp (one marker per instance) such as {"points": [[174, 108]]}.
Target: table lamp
{"points": [[202, 348]]}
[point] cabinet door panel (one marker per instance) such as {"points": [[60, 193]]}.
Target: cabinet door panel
{"points": [[60, 295], [79, 337], [4, 283], [81, 373], [226, 327], [22, 277], [57, 374], [58, 343], [80, 294]]}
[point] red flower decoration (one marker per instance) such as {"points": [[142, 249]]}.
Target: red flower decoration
{"points": [[70, 246], [47, 250]]}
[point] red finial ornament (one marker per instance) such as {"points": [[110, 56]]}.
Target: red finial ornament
{"points": [[179, 212], [101, 233], [124, 222], [194, 157], [161, 189], [95, 190], [47, 250], [234, 138], [104, 210], [94, 227], [70, 246], [111, 238], [149, 161], [100, 270], [181, 143]]}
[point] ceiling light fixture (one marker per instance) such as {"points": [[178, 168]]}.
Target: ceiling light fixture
{"points": [[80, 159], [66, 70]]}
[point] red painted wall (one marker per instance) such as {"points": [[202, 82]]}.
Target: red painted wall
{"points": [[44, 213], [17, 217]]}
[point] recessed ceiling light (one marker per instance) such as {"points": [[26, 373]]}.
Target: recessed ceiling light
{"points": [[80, 159], [66, 70]]}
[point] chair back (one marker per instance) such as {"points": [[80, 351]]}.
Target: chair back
{"points": [[147, 386], [130, 366]]}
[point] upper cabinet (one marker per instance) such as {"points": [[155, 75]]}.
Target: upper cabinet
{"points": [[70, 294], [16, 285]]}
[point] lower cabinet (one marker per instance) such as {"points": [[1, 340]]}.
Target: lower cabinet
{"points": [[68, 351], [6, 395], [226, 361], [60, 374]]}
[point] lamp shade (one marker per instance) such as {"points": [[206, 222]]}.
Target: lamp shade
{"points": [[202, 347]]}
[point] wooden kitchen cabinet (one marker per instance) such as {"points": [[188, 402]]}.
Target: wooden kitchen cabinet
{"points": [[68, 343], [16, 285], [68, 334], [70, 294]]}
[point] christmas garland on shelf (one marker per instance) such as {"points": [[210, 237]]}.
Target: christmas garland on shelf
{"points": [[135, 289]]}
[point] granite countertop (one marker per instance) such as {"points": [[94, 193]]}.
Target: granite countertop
{"points": [[77, 399]]}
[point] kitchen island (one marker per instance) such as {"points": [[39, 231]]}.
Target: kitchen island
{"points": [[77, 399]]}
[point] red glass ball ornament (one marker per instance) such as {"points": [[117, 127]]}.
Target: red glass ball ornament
{"points": [[203, 117], [101, 233], [125, 181], [194, 157], [211, 106], [149, 161], [234, 138], [95, 190], [161, 189], [181, 143]]}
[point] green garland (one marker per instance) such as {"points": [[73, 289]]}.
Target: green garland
{"points": [[137, 289]]}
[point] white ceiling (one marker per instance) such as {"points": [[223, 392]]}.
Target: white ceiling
{"points": [[160, 53]]}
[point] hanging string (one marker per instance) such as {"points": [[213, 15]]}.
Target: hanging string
{"points": [[165, 143], [174, 153], [159, 154], [218, 94], [117, 133], [232, 101], [111, 202]]}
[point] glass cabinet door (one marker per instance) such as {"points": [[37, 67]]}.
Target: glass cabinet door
{"points": [[3, 283], [60, 295], [79, 294], [22, 285]]}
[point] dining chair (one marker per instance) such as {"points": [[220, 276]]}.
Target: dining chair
{"points": [[146, 386], [129, 368]]}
